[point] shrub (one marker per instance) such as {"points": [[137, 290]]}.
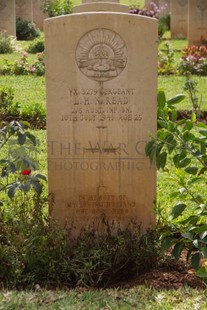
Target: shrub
{"points": [[34, 114], [37, 46], [6, 44], [11, 109], [153, 12], [16, 177], [194, 60], [6, 98], [38, 67], [57, 7], [102, 260], [166, 60], [166, 19], [35, 252], [185, 142], [16, 169], [26, 30], [22, 67], [162, 26], [18, 67]]}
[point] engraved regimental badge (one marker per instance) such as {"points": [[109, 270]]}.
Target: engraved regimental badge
{"points": [[101, 55]]}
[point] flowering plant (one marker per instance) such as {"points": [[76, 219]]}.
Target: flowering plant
{"points": [[16, 169], [152, 11], [194, 60], [166, 60], [22, 67], [26, 172]]}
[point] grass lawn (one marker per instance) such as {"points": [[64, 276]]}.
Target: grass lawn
{"points": [[173, 85], [140, 298], [28, 90], [34, 89]]}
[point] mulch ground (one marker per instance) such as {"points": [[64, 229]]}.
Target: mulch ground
{"points": [[174, 276], [169, 279]]}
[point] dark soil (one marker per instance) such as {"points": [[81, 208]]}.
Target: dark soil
{"points": [[174, 276], [35, 121], [186, 114]]}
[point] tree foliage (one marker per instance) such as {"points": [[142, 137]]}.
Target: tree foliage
{"points": [[57, 7], [184, 142]]}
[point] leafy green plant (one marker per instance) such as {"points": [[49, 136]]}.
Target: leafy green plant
{"points": [[100, 260], [35, 251], [162, 26], [194, 60], [6, 98], [17, 169], [35, 114], [166, 18], [22, 67], [11, 109], [57, 7], [26, 30], [6, 44], [191, 88], [38, 67], [36, 46], [185, 142], [152, 11], [166, 60]]}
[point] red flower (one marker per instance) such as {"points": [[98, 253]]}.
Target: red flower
{"points": [[26, 172]]}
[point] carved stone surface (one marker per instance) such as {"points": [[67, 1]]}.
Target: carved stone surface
{"points": [[197, 27], [101, 7], [101, 55], [2, 4], [38, 15], [202, 5], [179, 18], [7, 17], [183, 2], [100, 113], [96, 1], [20, 3], [24, 9]]}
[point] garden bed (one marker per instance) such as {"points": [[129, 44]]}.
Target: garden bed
{"points": [[174, 276]]}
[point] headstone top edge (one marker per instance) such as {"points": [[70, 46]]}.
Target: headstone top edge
{"points": [[102, 3], [81, 14]]}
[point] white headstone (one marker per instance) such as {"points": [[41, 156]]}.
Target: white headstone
{"points": [[197, 23], [179, 18], [7, 17], [100, 113]]}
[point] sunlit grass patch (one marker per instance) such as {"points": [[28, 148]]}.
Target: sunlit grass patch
{"points": [[130, 298]]}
